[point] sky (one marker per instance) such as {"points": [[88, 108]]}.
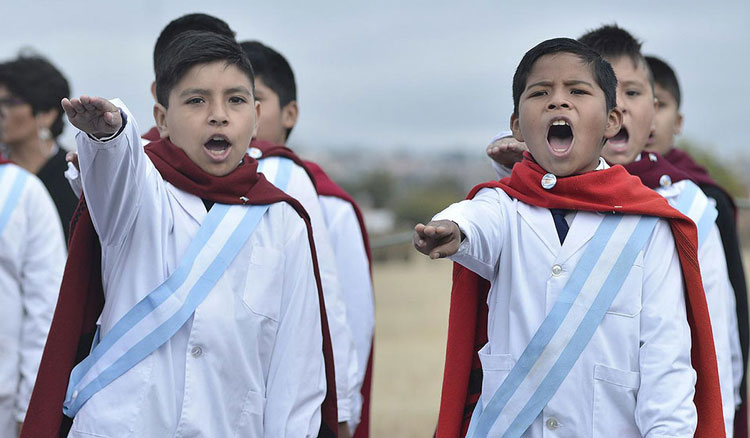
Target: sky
{"points": [[394, 75]]}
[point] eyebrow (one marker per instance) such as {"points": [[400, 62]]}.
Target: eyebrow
{"points": [[567, 83], [204, 91], [627, 83]]}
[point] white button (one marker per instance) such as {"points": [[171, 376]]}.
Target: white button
{"points": [[652, 157], [255, 152], [75, 393], [196, 352], [552, 423], [556, 270], [665, 181]]}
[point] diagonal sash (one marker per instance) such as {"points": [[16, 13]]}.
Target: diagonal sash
{"points": [[12, 181], [160, 314], [567, 329], [276, 169], [694, 204]]}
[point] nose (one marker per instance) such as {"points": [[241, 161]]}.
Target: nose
{"points": [[558, 100], [621, 101], [218, 115]]}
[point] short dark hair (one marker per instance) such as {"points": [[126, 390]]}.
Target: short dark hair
{"points": [[37, 82], [196, 22], [600, 68], [665, 77], [274, 70], [193, 48], [612, 42]]}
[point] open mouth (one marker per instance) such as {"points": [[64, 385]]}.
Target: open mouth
{"points": [[621, 138], [218, 147], [560, 136]]}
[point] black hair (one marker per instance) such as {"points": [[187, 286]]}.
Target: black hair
{"points": [[665, 77], [193, 48], [612, 42], [37, 82], [196, 22], [273, 69], [600, 68]]}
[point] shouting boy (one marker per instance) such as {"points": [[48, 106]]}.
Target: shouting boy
{"points": [[577, 263], [212, 322]]}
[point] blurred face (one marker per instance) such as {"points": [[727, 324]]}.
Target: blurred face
{"points": [[562, 115], [636, 100], [274, 121], [17, 121], [211, 116], [667, 121]]}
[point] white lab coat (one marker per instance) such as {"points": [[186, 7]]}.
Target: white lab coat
{"points": [[721, 308], [634, 378], [356, 283], [32, 259], [301, 188], [249, 362]]}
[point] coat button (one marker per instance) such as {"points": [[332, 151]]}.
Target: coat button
{"points": [[196, 352], [552, 423], [548, 181], [556, 270]]}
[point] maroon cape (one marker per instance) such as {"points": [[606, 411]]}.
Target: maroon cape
{"points": [[652, 167], [698, 174], [611, 190], [81, 296]]}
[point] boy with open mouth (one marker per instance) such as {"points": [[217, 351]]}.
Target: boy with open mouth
{"points": [[562, 274]]}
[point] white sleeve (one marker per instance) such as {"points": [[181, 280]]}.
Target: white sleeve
{"points": [[296, 383], [113, 176], [74, 179], [664, 403], [356, 284], [41, 273], [718, 293], [500, 170], [301, 188], [480, 220]]}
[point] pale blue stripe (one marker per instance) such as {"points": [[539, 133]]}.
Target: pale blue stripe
{"points": [[550, 324], [706, 223], [13, 196], [153, 299], [586, 329], [475, 418], [685, 200], [283, 171], [196, 296]]}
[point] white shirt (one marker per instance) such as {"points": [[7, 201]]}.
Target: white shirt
{"points": [[356, 283], [301, 188], [634, 378], [249, 362], [721, 308], [32, 259]]}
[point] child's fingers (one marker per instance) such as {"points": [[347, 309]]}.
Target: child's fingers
{"points": [[68, 107], [444, 250], [77, 105]]}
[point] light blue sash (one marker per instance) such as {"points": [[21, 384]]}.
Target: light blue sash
{"points": [[693, 203], [567, 329], [158, 316], [12, 181]]}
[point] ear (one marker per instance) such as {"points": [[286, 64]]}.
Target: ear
{"points": [[160, 117], [45, 119], [289, 115], [677, 130], [257, 118], [614, 123], [153, 90], [515, 127]]}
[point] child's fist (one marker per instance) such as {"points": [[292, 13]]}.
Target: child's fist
{"points": [[93, 115], [506, 151], [437, 239]]}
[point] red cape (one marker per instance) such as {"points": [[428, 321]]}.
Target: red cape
{"points": [[326, 187], [81, 296], [611, 190]]}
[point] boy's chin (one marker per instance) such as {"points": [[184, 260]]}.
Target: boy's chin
{"points": [[567, 167]]}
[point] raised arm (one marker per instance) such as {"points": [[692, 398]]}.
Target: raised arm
{"points": [[113, 166]]}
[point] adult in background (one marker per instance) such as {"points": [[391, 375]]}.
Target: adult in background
{"points": [[30, 93]]}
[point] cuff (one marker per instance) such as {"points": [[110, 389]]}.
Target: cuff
{"points": [[501, 134]]}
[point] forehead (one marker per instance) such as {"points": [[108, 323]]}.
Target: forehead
{"points": [[629, 70], [216, 75], [560, 67]]}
